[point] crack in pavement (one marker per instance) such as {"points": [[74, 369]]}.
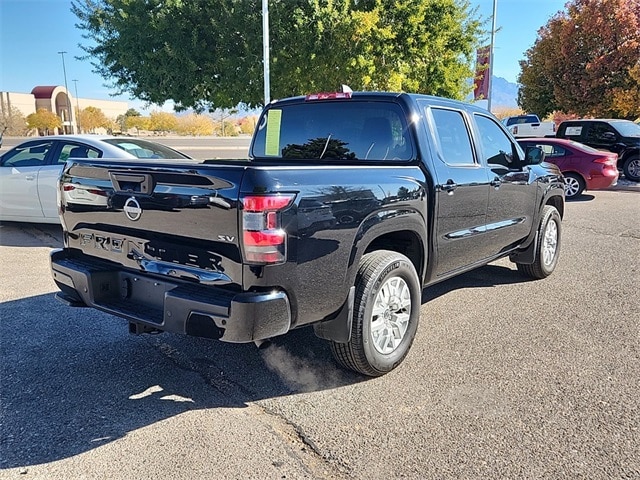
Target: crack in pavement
{"points": [[299, 446], [315, 461]]}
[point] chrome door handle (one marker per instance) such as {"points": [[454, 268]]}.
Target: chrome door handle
{"points": [[450, 186]]}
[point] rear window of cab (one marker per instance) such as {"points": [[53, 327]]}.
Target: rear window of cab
{"points": [[333, 130]]}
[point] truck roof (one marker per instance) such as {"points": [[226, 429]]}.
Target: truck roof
{"points": [[377, 95]]}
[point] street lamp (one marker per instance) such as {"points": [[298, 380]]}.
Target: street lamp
{"points": [[265, 50], [77, 106], [66, 91], [493, 35]]}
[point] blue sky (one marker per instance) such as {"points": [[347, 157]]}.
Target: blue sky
{"points": [[32, 32]]}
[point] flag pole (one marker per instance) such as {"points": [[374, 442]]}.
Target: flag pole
{"points": [[493, 34]]}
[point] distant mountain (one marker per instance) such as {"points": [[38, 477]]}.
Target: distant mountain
{"points": [[505, 93]]}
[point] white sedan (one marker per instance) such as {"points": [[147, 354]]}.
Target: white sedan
{"points": [[29, 172]]}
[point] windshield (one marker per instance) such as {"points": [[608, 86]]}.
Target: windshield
{"points": [[144, 149], [333, 130], [522, 119], [627, 128]]}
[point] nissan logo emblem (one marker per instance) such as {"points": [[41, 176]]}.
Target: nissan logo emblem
{"points": [[132, 209]]}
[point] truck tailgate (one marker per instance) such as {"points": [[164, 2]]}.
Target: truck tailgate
{"points": [[177, 220]]}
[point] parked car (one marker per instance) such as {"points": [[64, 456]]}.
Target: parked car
{"points": [[583, 167], [29, 171], [529, 125], [615, 135]]}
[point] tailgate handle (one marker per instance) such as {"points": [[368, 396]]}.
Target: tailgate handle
{"points": [[204, 277], [132, 182]]}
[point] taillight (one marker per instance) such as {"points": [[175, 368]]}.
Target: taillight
{"points": [[606, 160], [69, 188], [264, 240], [514, 130]]}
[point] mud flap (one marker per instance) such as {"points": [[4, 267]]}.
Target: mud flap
{"points": [[338, 329]]}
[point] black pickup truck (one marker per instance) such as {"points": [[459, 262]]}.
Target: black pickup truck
{"points": [[347, 207]]}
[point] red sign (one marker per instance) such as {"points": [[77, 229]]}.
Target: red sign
{"points": [[481, 81]]}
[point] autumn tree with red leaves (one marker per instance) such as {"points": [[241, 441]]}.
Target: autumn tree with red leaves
{"points": [[585, 61]]}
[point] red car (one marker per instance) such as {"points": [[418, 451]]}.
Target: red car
{"points": [[583, 167]]}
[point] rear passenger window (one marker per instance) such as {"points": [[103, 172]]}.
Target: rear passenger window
{"points": [[553, 150], [72, 150], [597, 131], [453, 137]]}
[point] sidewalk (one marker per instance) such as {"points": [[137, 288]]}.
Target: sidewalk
{"points": [[626, 185]]}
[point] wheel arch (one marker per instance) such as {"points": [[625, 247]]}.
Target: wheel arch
{"points": [[628, 153], [405, 235], [404, 232], [556, 201]]}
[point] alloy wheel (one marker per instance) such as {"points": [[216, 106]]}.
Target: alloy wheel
{"points": [[391, 314], [550, 242]]}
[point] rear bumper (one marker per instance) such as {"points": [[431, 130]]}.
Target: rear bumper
{"points": [[170, 305], [599, 181]]}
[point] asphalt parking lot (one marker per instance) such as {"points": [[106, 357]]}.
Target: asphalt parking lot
{"points": [[507, 378]]}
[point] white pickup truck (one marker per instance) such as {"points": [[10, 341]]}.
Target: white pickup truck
{"points": [[529, 125]]}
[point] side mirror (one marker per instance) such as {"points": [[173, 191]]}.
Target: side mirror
{"points": [[534, 155]]}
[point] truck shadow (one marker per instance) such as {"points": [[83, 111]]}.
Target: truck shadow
{"points": [[74, 379], [16, 234], [487, 276], [582, 198]]}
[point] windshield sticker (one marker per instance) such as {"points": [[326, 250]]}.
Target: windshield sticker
{"points": [[274, 120]]}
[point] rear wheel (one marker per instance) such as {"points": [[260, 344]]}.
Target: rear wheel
{"points": [[632, 169], [385, 315], [548, 245], [573, 185]]}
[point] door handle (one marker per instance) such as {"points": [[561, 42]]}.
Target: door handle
{"points": [[30, 177], [450, 186]]}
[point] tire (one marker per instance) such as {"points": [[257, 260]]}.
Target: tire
{"points": [[548, 245], [574, 185], [631, 168], [385, 314]]}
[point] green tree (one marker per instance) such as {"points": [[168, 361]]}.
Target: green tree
{"points": [[44, 121], [91, 118], [585, 61], [207, 54]]}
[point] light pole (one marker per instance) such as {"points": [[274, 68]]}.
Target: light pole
{"points": [[66, 92], [493, 35], [77, 106], [265, 50]]}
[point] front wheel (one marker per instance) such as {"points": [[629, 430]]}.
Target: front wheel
{"points": [[631, 169], [385, 314], [547, 247]]}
